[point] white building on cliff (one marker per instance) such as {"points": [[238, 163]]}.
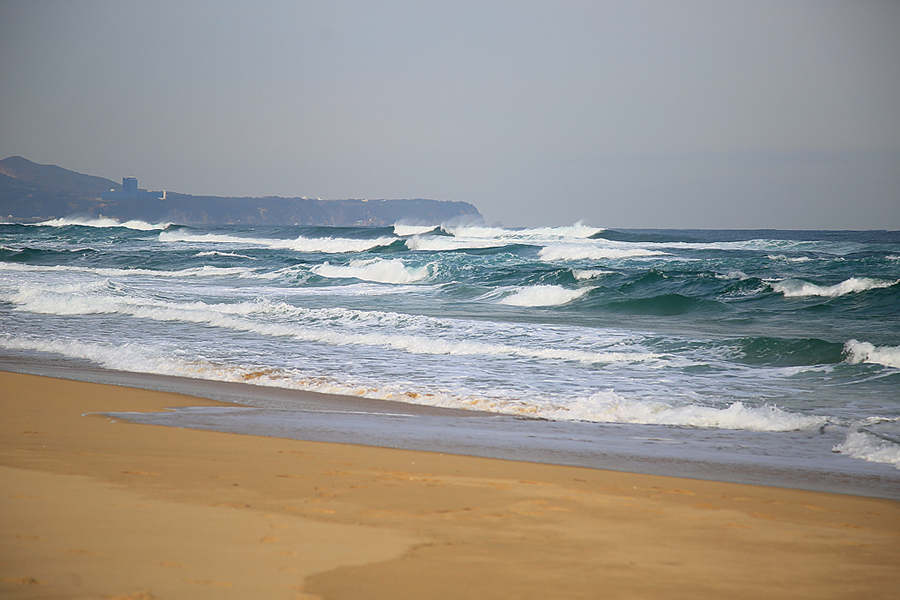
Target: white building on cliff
{"points": [[130, 191]]}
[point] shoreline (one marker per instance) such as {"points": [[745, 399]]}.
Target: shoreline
{"points": [[97, 507], [707, 454]]}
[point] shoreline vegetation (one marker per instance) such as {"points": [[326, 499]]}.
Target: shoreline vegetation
{"points": [[97, 507]]}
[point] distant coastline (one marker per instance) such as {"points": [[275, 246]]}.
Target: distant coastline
{"points": [[31, 192]]}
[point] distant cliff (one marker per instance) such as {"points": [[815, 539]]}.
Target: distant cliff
{"points": [[31, 192]]}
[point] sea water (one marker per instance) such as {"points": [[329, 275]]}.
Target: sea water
{"points": [[759, 336]]}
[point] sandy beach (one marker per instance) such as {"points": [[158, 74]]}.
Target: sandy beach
{"points": [[94, 507]]}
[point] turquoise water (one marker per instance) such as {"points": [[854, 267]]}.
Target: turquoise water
{"points": [[753, 331]]}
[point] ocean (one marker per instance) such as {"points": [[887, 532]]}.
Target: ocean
{"points": [[756, 356]]}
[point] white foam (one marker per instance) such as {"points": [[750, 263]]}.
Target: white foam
{"points": [[378, 270], [585, 274], [466, 236], [777, 247], [355, 289], [144, 359], [543, 295], [864, 352], [204, 271], [103, 222], [441, 243], [865, 445], [227, 254], [405, 230], [565, 252], [312, 325], [740, 275], [798, 288], [782, 257], [606, 407], [610, 407], [326, 245], [64, 299], [578, 230], [121, 356]]}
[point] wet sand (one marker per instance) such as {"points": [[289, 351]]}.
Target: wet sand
{"points": [[95, 507]]}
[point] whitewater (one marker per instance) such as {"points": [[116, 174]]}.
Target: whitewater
{"points": [[773, 339]]}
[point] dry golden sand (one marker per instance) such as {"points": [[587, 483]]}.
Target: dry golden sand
{"points": [[94, 508]]}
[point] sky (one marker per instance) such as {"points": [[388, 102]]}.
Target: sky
{"points": [[643, 114]]}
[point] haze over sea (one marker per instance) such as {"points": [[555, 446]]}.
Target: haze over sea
{"points": [[772, 354]]}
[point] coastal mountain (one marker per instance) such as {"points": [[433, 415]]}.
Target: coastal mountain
{"points": [[52, 178], [30, 192]]}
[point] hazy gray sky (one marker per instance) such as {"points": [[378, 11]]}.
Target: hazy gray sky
{"points": [[624, 114]]}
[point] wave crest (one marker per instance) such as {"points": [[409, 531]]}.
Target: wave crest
{"points": [[578, 230], [378, 270], [798, 288], [327, 245], [610, 407], [559, 252], [874, 440], [584, 274], [223, 254], [602, 407], [204, 271], [442, 243], [103, 222], [864, 352], [307, 326], [543, 295], [404, 230]]}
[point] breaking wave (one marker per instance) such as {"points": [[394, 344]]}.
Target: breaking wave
{"points": [[584, 274], [381, 271], [798, 288], [448, 243], [325, 245], [543, 295], [311, 325], [403, 230], [874, 440], [578, 230], [204, 271], [103, 222], [864, 352], [601, 407], [610, 407], [561, 252], [782, 257], [224, 254]]}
